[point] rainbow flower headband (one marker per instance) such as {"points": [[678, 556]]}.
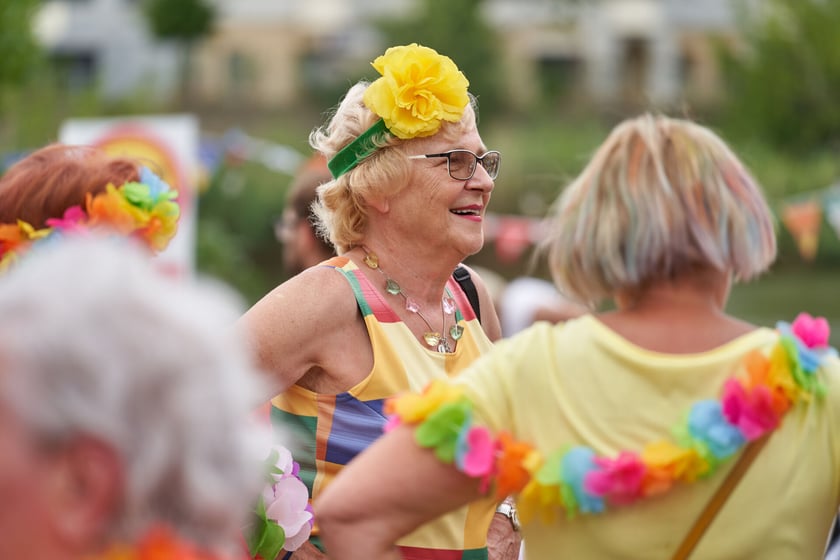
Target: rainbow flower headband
{"points": [[578, 480], [417, 91], [145, 210]]}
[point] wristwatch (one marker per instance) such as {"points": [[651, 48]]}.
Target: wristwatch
{"points": [[508, 509]]}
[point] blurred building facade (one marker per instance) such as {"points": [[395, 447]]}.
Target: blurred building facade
{"points": [[632, 53], [106, 43]]}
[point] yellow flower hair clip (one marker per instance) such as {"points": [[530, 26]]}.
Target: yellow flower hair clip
{"points": [[418, 90]]}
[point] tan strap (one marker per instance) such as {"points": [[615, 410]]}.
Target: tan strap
{"points": [[708, 514]]}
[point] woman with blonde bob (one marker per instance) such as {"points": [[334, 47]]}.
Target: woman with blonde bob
{"points": [[617, 429], [411, 182]]}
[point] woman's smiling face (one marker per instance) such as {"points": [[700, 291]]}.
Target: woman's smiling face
{"points": [[447, 212]]}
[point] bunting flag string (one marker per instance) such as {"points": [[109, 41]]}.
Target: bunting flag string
{"points": [[802, 216]]}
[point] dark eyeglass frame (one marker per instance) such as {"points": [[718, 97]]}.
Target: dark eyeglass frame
{"points": [[476, 160]]}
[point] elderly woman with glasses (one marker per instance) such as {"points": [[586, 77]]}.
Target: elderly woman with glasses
{"points": [[660, 429], [412, 179]]}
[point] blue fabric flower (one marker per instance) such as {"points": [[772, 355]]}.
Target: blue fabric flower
{"points": [[157, 186], [576, 463], [809, 358], [707, 423]]}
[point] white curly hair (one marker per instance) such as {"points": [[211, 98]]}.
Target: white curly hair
{"points": [[101, 344]]}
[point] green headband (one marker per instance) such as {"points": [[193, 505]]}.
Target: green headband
{"points": [[422, 89], [358, 150]]}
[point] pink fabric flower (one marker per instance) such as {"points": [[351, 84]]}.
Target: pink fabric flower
{"points": [[619, 479], [812, 331], [392, 423], [477, 459], [752, 412], [289, 509], [73, 220]]}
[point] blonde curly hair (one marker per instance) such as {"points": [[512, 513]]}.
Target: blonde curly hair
{"points": [[341, 208]]}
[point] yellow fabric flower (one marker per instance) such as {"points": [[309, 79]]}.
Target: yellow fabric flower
{"points": [[419, 89], [413, 408]]}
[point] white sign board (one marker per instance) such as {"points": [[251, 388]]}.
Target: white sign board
{"points": [[170, 145]]}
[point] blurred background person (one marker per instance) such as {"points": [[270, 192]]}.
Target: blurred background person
{"points": [[617, 428], [63, 188], [412, 180], [124, 410], [526, 300], [296, 229]]}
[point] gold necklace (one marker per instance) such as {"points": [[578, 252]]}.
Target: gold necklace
{"points": [[432, 338]]}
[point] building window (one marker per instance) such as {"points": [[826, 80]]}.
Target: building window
{"points": [[559, 77], [75, 70]]}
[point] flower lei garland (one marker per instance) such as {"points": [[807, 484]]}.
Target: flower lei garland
{"points": [[417, 91], [580, 481], [145, 209], [159, 543], [283, 514]]}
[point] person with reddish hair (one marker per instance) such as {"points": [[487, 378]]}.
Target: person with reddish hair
{"points": [[63, 188]]}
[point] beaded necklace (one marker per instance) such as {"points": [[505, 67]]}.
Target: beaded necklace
{"points": [[433, 338]]}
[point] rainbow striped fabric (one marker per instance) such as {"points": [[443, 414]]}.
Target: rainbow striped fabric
{"points": [[335, 428]]}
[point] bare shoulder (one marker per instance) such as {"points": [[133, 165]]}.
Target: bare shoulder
{"points": [[288, 326], [315, 292]]}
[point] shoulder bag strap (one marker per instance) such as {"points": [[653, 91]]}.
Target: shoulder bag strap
{"points": [[716, 503], [464, 279]]}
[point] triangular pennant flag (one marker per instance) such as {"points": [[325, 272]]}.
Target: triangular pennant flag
{"points": [[513, 238], [803, 221]]}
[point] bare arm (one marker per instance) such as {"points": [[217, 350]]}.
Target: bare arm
{"points": [[489, 317], [292, 328], [385, 493]]}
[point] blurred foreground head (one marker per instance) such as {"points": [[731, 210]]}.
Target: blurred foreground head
{"points": [[660, 198], [124, 405]]}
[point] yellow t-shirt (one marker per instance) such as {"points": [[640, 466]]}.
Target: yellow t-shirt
{"points": [[582, 384]]}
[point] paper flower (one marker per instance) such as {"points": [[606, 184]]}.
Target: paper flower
{"points": [[159, 543], [707, 424], [283, 516], [289, 511], [752, 412], [812, 332], [752, 402], [475, 452], [136, 209], [412, 408], [619, 480], [419, 89]]}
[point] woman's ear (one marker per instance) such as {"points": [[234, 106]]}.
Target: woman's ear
{"points": [[380, 203], [86, 487]]}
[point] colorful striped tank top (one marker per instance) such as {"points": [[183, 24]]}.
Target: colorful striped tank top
{"points": [[335, 428]]}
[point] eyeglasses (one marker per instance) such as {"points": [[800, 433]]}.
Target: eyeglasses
{"points": [[461, 164]]}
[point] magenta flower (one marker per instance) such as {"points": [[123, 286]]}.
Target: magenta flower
{"points": [[475, 451], [73, 220], [751, 411], [812, 331], [619, 479]]}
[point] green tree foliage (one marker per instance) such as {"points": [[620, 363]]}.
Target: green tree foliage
{"points": [[18, 50], [184, 21], [457, 29], [181, 20], [784, 88]]}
